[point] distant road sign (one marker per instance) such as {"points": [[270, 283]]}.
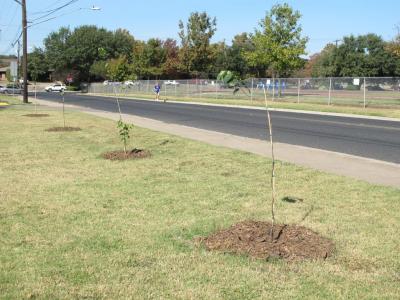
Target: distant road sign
{"points": [[14, 69], [70, 79]]}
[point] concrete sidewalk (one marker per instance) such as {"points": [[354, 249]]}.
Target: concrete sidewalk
{"points": [[373, 171]]}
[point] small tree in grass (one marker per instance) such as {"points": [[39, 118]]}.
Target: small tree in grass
{"points": [[273, 164], [230, 80], [63, 106], [124, 132]]}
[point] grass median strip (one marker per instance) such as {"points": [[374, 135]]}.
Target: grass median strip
{"points": [[74, 225]]}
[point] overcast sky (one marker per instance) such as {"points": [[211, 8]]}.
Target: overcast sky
{"points": [[323, 21]]}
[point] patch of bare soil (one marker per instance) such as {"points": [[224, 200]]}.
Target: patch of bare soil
{"points": [[121, 155], [63, 129], [290, 242], [36, 115]]}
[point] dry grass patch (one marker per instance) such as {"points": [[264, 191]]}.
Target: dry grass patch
{"points": [[73, 225]]}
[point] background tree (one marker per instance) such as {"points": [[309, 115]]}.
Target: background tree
{"points": [[324, 64], [55, 45], [98, 70], [363, 55], [118, 69], [140, 62], [236, 60], [195, 51], [394, 45], [155, 56], [279, 45], [37, 67], [83, 48], [122, 43], [171, 64]]}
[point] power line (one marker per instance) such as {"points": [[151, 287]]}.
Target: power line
{"points": [[7, 27], [50, 12], [46, 8]]}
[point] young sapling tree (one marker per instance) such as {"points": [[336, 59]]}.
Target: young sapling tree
{"points": [[63, 105], [124, 132], [273, 163]]}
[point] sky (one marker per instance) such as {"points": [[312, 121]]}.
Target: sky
{"points": [[322, 21]]}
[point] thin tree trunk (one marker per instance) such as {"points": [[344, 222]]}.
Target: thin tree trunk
{"points": [[63, 101], [279, 88], [273, 165], [117, 98], [35, 99]]}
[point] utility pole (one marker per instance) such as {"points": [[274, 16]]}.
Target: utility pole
{"points": [[18, 59], [24, 51]]}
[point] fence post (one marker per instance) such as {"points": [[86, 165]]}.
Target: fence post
{"points": [[330, 88], [187, 88], [273, 89], [298, 90], [148, 86], [175, 91], [365, 100], [216, 89], [251, 91]]}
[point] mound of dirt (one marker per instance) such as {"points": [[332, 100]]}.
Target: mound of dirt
{"points": [[121, 155], [63, 129], [290, 242], [36, 115]]}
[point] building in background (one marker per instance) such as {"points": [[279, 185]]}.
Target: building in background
{"points": [[5, 65]]}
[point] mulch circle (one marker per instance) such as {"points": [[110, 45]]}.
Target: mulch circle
{"points": [[63, 129], [121, 155], [36, 115], [290, 242]]}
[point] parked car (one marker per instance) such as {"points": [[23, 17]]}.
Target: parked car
{"points": [[11, 89], [107, 82], [55, 88], [131, 83], [169, 82]]}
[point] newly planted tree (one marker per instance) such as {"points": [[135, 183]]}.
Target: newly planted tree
{"points": [[63, 106], [124, 133], [273, 163]]}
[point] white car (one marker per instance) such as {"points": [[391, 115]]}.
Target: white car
{"points": [[131, 83], [55, 88], [169, 82], [107, 82]]}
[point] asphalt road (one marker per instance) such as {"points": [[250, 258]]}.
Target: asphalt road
{"points": [[369, 138]]}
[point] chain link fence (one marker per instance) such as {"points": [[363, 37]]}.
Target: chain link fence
{"points": [[354, 91]]}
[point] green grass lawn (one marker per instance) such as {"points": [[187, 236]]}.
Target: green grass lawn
{"points": [[73, 225], [389, 112], [10, 99]]}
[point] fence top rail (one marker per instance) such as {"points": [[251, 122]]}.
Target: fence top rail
{"points": [[198, 80]]}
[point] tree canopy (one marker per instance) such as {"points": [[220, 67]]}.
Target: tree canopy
{"points": [[276, 48], [278, 44], [363, 55]]}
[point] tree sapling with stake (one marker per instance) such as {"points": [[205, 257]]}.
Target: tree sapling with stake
{"points": [[124, 135], [273, 163], [63, 105]]}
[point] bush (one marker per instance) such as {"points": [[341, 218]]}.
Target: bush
{"points": [[352, 87], [73, 88]]}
